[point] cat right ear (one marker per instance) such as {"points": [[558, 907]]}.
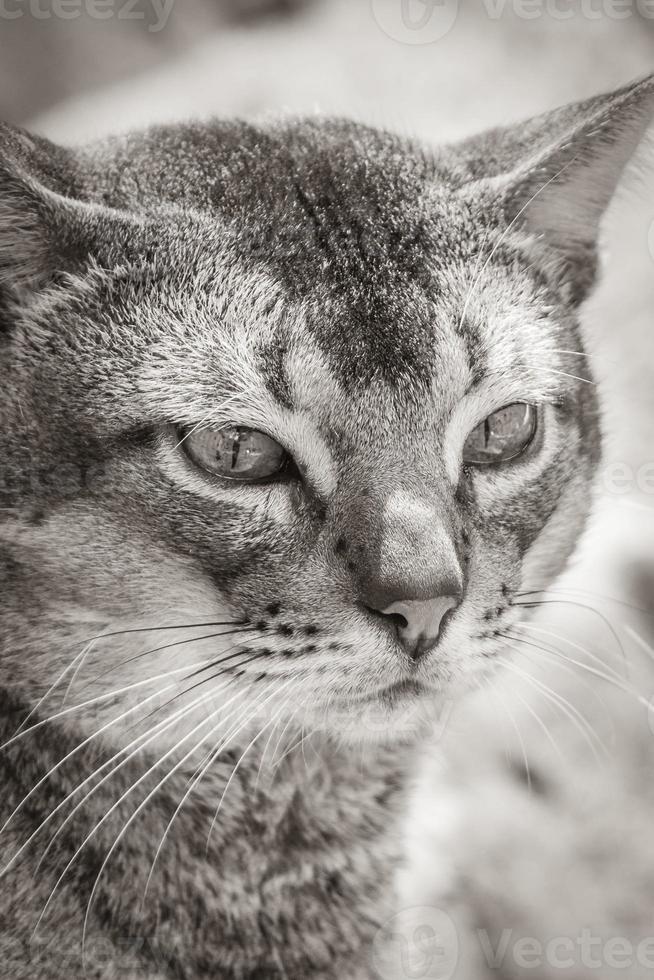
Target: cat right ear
{"points": [[555, 175]]}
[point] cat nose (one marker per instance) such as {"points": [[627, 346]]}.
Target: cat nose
{"points": [[405, 564], [419, 623]]}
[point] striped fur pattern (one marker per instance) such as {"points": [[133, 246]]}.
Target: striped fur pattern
{"points": [[366, 302]]}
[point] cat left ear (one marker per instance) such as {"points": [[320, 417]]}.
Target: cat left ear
{"points": [[45, 227], [560, 192], [31, 211]]}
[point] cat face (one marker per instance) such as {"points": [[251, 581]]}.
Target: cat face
{"points": [[293, 412]]}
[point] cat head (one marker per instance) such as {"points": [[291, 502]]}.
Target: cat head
{"points": [[292, 414]]}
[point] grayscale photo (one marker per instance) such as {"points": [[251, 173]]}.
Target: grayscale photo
{"points": [[326, 489]]}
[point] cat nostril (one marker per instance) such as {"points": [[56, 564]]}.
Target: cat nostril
{"points": [[446, 619], [401, 622], [396, 619]]}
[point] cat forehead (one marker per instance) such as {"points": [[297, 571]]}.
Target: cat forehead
{"points": [[238, 165], [358, 227]]}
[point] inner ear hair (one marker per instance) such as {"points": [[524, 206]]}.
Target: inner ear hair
{"points": [[560, 192], [564, 192], [33, 174], [25, 247], [46, 228]]}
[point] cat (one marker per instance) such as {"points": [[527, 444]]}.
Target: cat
{"points": [[292, 414]]}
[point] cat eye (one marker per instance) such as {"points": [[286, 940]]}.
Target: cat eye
{"points": [[501, 437], [235, 453]]}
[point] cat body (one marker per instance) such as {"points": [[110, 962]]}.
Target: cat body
{"points": [[294, 413]]}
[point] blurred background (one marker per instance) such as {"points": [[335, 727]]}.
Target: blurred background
{"points": [[435, 67]]}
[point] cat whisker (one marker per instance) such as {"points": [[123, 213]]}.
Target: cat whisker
{"points": [[573, 377], [642, 643], [474, 280], [156, 730], [571, 667], [238, 674], [65, 712], [82, 660], [514, 221], [303, 743], [541, 724], [124, 796], [49, 692], [131, 631], [134, 815], [514, 724], [149, 736], [238, 765], [296, 745], [579, 353], [263, 755], [161, 649], [160, 629], [534, 714], [278, 744], [568, 664], [607, 672], [129, 751], [73, 752], [208, 761], [214, 663], [217, 661], [197, 778], [536, 603], [108, 725], [557, 590], [581, 723], [127, 632]]}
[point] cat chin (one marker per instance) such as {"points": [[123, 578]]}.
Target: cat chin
{"points": [[383, 719]]}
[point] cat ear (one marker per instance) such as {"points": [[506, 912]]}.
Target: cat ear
{"points": [[28, 212], [556, 176], [45, 230]]}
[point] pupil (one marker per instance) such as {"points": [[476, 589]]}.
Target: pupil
{"points": [[236, 448]]}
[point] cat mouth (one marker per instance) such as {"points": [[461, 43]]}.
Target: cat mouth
{"points": [[398, 691], [408, 688]]}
